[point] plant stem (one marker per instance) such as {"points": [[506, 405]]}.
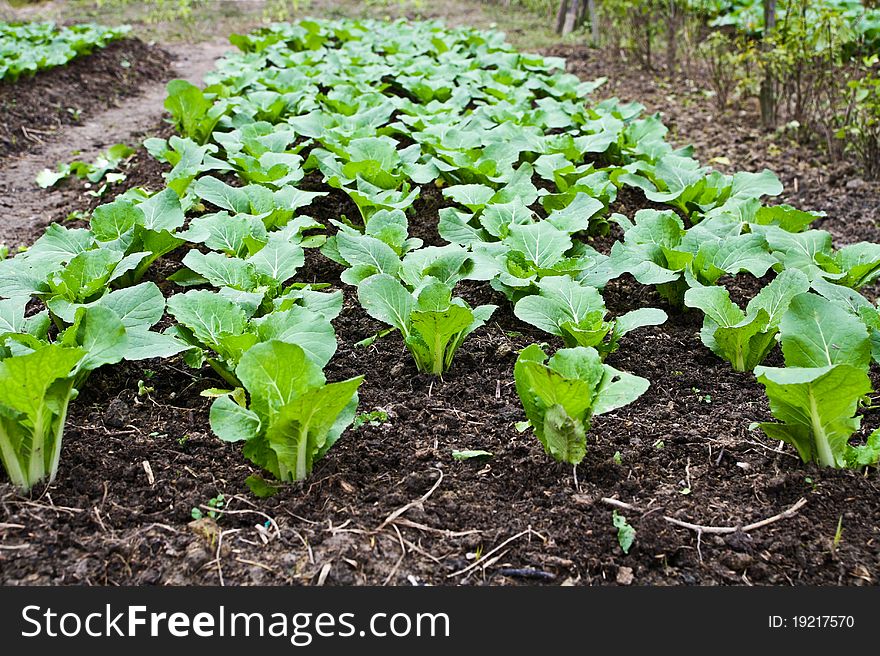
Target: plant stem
{"points": [[223, 372], [824, 456]]}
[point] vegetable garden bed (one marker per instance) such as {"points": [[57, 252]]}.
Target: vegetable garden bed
{"points": [[33, 108], [390, 503]]}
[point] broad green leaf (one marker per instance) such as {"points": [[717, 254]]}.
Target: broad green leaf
{"points": [[818, 333], [231, 422], [385, 299], [816, 408]]}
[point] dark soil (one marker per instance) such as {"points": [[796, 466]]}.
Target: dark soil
{"points": [[134, 465], [33, 109]]}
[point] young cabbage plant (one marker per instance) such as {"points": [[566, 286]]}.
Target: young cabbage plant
{"points": [[812, 252], [35, 390], [561, 395], [38, 379], [194, 112], [187, 159], [576, 312], [261, 153], [378, 250], [433, 323], [66, 263], [218, 330], [815, 408], [127, 315], [680, 181], [147, 227], [370, 198], [254, 267], [657, 250], [375, 160], [294, 415], [529, 252], [275, 208], [745, 338]]}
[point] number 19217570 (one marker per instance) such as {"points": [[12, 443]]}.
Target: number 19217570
{"points": [[811, 622]]}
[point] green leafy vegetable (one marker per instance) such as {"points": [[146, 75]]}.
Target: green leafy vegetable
{"points": [[577, 312], [433, 323], [560, 396], [816, 409], [294, 415], [745, 338]]}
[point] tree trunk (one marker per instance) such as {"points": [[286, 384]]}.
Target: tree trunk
{"points": [[768, 84], [560, 15], [671, 36], [571, 15], [594, 21], [582, 14]]}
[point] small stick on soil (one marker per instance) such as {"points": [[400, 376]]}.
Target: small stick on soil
{"points": [[218, 557], [414, 547], [399, 560], [445, 532], [715, 530], [46, 506], [100, 521], [489, 553], [397, 513], [307, 546], [325, 570]]}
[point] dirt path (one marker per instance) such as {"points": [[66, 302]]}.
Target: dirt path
{"points": [[25, 207]]}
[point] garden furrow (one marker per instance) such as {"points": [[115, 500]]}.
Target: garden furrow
{"points": [[26, 208]]}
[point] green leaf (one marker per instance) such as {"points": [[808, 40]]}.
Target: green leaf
{"points": [[469, 454], [817, 333], [816, 408], [626, 534], [260, 487], [208, 315], [473, 196], [217, 192], [541, 243], [141, 306], [298, 325], [786, 217], [385, 299], [275, 374], [776, 297], [860, 264], [564, 437], [617, 389], [366, 256], [278, 260], [222, 271], [162, 211], [865, 455], [231, 422]]}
